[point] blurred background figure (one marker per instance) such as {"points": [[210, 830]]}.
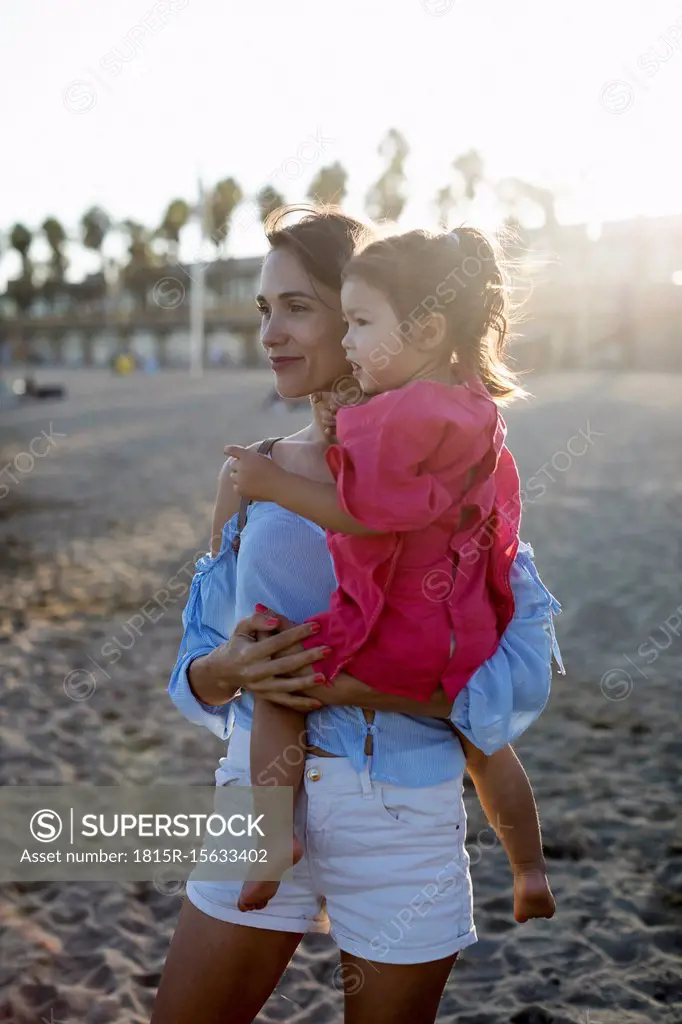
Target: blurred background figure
{"points": [[123, 364]]}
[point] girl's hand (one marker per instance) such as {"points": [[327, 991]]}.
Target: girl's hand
{"points": [[253, 476], [324, 411]]}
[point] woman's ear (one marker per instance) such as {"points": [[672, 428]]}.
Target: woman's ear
{"points": [[431, 333]]}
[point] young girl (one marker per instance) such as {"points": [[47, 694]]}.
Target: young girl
{"points": [[424, 511]]}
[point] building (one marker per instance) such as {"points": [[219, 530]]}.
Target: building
{"points": [[606, 298], [89, 323]]}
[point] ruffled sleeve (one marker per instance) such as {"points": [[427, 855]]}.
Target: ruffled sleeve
{"points": [[384, 465], [208, 618], [509, 692]]}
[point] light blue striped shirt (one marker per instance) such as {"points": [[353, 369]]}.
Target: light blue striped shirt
{"points": [[284, 563]]}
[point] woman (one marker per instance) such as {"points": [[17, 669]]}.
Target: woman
{"points": [[382, 813]]}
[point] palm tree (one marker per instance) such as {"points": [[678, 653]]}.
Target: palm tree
{"points": [[20, 239], [140, 272], [471, 169], [22, 288], [269, 200], [517, 196], [222, 202], [545, 199], [95, 226], [329, 186], [22, 291], [174, 219], [56, 237], [445, 204], [385, 199]]}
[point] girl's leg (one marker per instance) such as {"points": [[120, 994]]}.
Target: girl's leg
{"points": [[219, 973], [379, 993], [507, 798], [277, 756]]}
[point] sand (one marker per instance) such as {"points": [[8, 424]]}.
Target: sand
{"points": [[123, 502]]}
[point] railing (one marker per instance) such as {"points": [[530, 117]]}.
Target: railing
{"points": [[238, 315]]}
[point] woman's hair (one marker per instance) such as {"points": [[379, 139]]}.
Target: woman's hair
{"points": [[457, 275], [323, 240]]}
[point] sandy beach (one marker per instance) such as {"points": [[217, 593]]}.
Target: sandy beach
{"points": [[121, 502]]}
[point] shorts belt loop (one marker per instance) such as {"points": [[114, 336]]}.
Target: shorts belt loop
{"points": [[366, 782]]}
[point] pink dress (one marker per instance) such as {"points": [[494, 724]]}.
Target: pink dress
{"points": [[426, 602]]}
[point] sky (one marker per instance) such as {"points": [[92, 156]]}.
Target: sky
{"points": [[126, 104]]}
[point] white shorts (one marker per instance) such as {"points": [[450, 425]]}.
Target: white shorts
{"points": [[385, 871]]}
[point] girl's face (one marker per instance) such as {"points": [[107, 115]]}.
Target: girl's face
{"points": [[376, 347], [301, 327]]}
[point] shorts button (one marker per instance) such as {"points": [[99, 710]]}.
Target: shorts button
{"points": [[314, 774]]}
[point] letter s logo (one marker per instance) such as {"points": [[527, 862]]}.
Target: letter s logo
{"points": [[45, 825]]}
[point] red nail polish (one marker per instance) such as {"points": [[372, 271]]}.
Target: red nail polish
{"points": [[326, 651], [262, 608], [271, 622], [314, 627], [319, 678]]}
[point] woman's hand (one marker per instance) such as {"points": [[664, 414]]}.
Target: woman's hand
{"points": [[253, 475], [347, 691], [245, 662]]}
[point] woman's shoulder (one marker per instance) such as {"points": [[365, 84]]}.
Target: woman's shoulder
{"points": [[227, 502], [269, 530]]}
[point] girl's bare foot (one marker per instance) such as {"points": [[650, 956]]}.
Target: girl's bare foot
{"points": [[532, 894], [256, 895]]}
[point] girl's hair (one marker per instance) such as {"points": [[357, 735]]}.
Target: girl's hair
{"points": [[323, 240], [458, 275]]}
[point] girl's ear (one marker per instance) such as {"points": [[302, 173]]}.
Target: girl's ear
{"points": [[431, 334]]}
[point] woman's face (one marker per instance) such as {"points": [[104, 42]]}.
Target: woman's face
{"points": [[301, 327]]}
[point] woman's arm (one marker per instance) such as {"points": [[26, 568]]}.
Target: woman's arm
{"points": [[205, 677], [510, 690], [226, 504], [207, 608]]}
